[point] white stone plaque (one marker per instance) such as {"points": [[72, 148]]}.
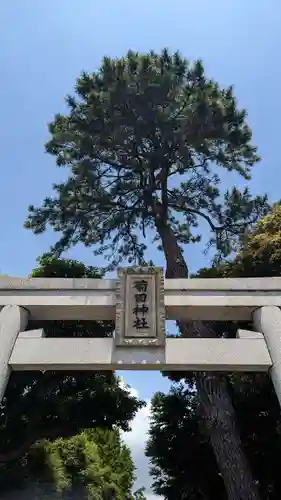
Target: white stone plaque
{"points": [[140, 309]]}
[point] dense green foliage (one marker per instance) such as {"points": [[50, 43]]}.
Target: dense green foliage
{"points": [[183, 464], [142, 140], [95, 460], [47, 405]]}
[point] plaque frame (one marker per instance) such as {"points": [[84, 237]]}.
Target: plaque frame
{"points": [[121, 338]]}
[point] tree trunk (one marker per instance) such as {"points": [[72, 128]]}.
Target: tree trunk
{"points": [[215, 405], [217, 413]]}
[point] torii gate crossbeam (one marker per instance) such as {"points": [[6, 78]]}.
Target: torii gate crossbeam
{"points": [[88, 299]]}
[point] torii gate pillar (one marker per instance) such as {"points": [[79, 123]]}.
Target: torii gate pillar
{"points": [[267, 319], [13, 319]]}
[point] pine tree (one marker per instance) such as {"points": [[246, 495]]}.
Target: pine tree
{"points": [[147, 140]]}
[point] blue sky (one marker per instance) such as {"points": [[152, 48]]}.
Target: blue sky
{"points": [[46, 44]]}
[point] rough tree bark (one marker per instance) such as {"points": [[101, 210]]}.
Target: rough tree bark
{"points": [[216, 409]]}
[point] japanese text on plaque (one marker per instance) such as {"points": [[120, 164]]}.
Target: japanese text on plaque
{"points": [[140, 309]]}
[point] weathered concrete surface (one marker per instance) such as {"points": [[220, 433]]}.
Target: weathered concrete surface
{"points": [[248, 354], [268, 321], [13, 319], [205, 299]]}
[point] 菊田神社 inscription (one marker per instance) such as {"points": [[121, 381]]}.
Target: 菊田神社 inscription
{"points": [[140, 314], [141, 306]]}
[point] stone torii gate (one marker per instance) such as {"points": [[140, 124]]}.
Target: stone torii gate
{"points": [[140, 301]]}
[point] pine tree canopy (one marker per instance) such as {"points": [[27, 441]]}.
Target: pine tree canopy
{"points": [[147, 138]]}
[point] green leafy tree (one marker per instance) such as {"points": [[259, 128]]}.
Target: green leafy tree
{"points": [[182, 461], [183, 465], [260, 255], [145, 140], [95, 461], [50, 405], [139, 494], [93, 465]]}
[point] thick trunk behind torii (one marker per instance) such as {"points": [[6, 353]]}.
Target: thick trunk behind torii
{"points": [[216, 409]]}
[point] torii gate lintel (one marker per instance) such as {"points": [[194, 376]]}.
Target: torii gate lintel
{"points": [[140, 301]]}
